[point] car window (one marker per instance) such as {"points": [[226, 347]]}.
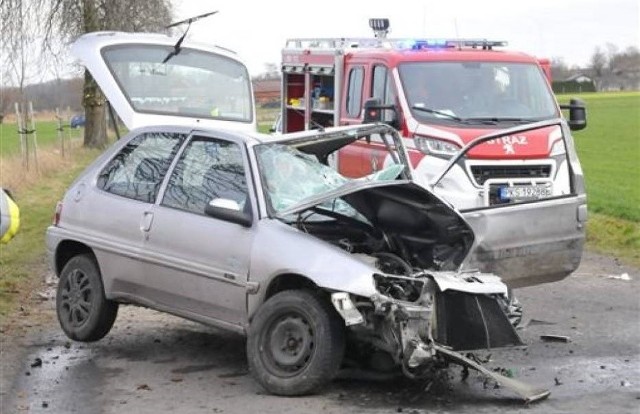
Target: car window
{"points": [[138, 169], [207, 169]]}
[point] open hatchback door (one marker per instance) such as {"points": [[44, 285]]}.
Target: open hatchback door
{"points": [[532, 230], [151, 79]]}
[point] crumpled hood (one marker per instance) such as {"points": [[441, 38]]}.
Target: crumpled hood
{"points": [[409, 212]]}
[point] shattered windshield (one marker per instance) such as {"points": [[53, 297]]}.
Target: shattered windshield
{"points": [[290, 177], [464, 92]]}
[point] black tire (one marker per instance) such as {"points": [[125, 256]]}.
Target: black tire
{"points": [[295, 343], [83, 311]]}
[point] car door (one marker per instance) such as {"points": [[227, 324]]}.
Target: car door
{"points": [[112, 212], [198, 265], [528, 233]]}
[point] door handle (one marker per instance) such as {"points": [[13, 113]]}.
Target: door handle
{"points": [[147, 220]]}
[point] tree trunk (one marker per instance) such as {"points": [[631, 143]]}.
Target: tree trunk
{"points": [[95, 129]]}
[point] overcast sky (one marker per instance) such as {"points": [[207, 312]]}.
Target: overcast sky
{"points": [[570, 29]]}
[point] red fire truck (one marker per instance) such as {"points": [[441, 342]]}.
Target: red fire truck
{"points": [[480, 124]]}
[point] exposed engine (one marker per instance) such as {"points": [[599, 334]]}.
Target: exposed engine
{"points": [[401, 239]]}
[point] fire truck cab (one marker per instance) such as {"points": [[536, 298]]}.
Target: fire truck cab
{"points": [[482, 129]]}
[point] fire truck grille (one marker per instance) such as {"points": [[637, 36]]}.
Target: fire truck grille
{"points": [[482, 173]]}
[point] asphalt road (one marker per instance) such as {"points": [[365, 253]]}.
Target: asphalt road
{"points": [[154, 363]]}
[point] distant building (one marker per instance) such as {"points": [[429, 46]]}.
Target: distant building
{"points": [[578, 82], [266, 91], [580, 78]]}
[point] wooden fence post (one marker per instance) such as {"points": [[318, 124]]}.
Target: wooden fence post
{"points": [[35, 137]]}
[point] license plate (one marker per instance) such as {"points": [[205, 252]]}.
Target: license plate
{"points": [[525, 192]]}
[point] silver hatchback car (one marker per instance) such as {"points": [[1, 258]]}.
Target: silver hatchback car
{"points": [[261, 235]]}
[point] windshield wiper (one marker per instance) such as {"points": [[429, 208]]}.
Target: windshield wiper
{"points": [[492, 120], [177, 47], [436, 112]]}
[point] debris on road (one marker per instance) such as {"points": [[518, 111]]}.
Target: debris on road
{"points": [[528, 393], [555, 338], [535, 322], [36, 363], [144, 387], [622, 276]]}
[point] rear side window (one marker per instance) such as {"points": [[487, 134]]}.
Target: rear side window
{"points": [[137, 171], [354, 93]]}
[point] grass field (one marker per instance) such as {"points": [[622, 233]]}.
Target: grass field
{"points": [[609, 151], [47, 134]]}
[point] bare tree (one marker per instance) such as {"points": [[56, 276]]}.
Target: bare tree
{"points": [[59, 22], [615, 70], [559, 69], [598, 66]]}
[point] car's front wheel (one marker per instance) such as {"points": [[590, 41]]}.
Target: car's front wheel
{"points": [[296, 343], [84, 313]]}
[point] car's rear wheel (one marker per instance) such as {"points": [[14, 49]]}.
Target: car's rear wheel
{"points": [[84, 313], [296, 343]]}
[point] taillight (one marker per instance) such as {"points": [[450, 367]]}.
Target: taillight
{"points": [[56, 215]]}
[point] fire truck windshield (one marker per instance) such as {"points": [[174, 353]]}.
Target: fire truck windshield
{"points": [[476, 92]]}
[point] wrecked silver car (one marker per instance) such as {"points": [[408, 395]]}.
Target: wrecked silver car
{"points": [[263, 237]]}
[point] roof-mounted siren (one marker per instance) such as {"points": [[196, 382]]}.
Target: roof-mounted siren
{"points": [[380, 27]]}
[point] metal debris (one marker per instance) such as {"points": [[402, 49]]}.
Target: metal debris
{"points": [[527, 392], [555, 338], [533, 322]]}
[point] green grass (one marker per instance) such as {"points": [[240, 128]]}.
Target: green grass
{"points": [[609, 151], [46, 134], [614, 236], [22, 258]]}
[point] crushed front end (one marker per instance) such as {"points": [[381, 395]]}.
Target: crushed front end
{"points": [[424, 320]]}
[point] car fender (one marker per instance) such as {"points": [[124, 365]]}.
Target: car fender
{"points": [[281, 249]]}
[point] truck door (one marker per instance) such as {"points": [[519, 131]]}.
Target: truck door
{"points": [[362, 157], [531, 230]]}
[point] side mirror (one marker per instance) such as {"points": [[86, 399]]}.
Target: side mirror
{"points": [[577, 114], [373, 110], [228, 210]]}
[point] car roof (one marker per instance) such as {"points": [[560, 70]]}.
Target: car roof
{"points": [[306, 138]]}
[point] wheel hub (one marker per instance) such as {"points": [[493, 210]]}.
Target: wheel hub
{"points": [[290, 342], [76, 299]]}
